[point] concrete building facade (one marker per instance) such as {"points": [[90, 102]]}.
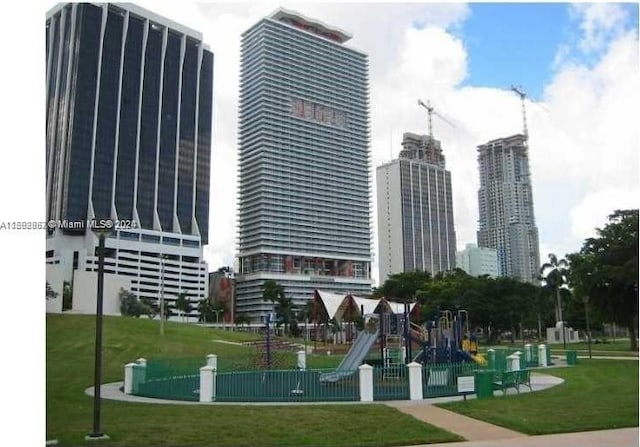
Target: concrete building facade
{"points": [[304, 159], [505, 202], [478, 261], [128, 139], [415, 210]]}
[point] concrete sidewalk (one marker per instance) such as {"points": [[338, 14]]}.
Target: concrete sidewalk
{"points": [[622, 437], [469, 428]]}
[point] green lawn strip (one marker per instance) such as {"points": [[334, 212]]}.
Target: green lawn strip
{"points": [[596, 395], [69, 364], [325, 425]]}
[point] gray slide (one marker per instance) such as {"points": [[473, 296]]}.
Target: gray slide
{"points": [[354, 357]]}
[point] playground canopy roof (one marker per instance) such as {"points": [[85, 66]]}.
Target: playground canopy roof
{"points": [[336, 306]]}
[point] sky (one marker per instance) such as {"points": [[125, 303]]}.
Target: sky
{"points": [[577, 63]]}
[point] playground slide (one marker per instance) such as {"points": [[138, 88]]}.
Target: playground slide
{"points": [[467, 356], [354, 357]]}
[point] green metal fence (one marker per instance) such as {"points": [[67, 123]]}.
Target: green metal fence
{"points": [[441, 379], [391, 382], [174, 379], [285, 386]]}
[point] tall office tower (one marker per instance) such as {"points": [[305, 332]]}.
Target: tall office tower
{"points": [[507, 223], [304, 207], [128, 137], [415, 210]]}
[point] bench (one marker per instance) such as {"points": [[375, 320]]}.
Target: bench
{"points": [[503, 380], [523, 378]]}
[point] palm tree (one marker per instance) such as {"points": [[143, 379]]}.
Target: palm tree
{"points": [[555, 275], [274, 293], [183, 304]]}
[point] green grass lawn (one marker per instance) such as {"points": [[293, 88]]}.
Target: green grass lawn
{"points": [[596, 395], [69, 371]]}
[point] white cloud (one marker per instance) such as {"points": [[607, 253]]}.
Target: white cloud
{"points": [[584, 139], [599, 22]]}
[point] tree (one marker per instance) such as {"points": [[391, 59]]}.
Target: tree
{"points": [[151, 308], [403, 286], [606, 270], [274, 293], [205, 311], [50, 294], [554, 274], [219, 308], [242, 319], [183, 304], [130, 306]]}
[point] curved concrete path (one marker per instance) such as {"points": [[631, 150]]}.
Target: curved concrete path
{"points": [[621, 437], [469, 428]]}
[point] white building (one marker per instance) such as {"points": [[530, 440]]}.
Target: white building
{"points": [[478, 261]]}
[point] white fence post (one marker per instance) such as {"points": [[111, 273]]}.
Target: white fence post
{"points": [[542, 355], [515, 362], [141, 364], [528, 353], [212, 360], [366, 383], [206, 384], [128, 378], [302, 360], [491, 358], [415, 381]]}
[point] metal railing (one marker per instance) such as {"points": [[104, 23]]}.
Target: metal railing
{"points": [[285, 386], [391, 382], [175, 379], [441, 379]]}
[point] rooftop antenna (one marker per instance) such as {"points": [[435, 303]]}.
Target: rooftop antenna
{"points": [[518, 91]]}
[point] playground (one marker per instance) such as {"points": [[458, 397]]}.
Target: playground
{"points": [[390, 358], [132, 420]]}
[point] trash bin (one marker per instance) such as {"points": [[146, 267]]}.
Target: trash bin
{"points": [[484, 383], [572, 357]]}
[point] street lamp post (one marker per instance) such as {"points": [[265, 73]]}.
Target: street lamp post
{"points": [[586, 316], [101, 231], [162, 258]]}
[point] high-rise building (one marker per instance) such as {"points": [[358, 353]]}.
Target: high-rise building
{"points": [[304, 160], [507, 222], [128, 138], [478, 261], [415, 210]]}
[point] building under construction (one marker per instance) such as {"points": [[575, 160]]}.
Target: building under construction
{"points": [[507, 223], [415, 210]]}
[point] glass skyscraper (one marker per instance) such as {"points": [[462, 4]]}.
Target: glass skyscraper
{"points": [[304, 162], [128, 137], [415, 210], [505, 202]]}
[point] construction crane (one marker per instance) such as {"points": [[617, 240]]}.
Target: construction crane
{"points": [[432, 111], [522, 95]]}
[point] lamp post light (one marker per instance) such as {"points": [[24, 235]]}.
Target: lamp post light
{"points": [[586, 316], [162, 258], [101, 227]]}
